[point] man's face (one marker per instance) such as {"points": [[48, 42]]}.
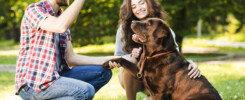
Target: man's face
{"points": [[62, 2]]}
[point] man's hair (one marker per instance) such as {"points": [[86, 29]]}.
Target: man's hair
{"points": [[126, 17]]}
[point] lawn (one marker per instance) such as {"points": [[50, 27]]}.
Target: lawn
{"points": [[236, 37], [5, 59], [228, 79]]}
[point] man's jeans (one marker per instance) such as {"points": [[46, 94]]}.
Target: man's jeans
{"points": [[80, 83]]}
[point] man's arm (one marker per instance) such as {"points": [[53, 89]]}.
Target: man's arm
{"points": [[77, 60], [63, 22]]}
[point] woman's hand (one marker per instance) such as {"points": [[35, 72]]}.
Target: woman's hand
{"points": [[194, 70], [136, 52]]}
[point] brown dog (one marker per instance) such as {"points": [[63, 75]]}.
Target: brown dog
{"points": [[163, 68]]}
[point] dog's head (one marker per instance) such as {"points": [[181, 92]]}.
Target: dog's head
{"points": [[156, 33]]}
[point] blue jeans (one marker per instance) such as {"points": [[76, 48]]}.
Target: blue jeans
{"points": [[80, 83]]}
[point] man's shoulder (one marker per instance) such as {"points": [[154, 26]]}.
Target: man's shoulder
{"points": [[37, 5]]}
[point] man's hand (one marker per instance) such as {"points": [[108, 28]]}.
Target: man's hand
{"points": [[112, 64], [65, 20], [194, 70]]}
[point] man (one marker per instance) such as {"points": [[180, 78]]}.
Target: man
{"points": [[46, 51]]}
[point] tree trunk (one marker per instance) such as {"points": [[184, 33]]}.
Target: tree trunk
{"points": [[180, 26], [179, 40], [240, 26], [16, 35], [199, 28], [7, 34]]}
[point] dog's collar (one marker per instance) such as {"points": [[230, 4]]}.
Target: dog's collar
{"points": [[139, 74]]}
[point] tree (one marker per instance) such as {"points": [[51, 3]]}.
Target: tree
{"points": [[99, 18], [184, 14]]}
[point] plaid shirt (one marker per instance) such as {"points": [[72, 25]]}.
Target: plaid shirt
{"points": [[37, 53]]}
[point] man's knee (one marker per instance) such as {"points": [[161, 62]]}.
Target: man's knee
{"points": [[90, 92], [86, 92], [107, 74]]}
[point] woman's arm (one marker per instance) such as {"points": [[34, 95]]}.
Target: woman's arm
{"points": [[119, 45], [173, 34], [119, 51], [194, 70]]}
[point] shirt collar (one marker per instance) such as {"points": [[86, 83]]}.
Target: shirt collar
{"points": [[50, 9]]}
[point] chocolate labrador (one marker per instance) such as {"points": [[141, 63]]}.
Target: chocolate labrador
{"points": [[162, 68]]}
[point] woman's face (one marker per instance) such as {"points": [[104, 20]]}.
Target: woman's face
{"points": [[139, 8]]}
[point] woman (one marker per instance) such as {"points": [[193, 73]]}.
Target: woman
{"points": [[126, 41]]}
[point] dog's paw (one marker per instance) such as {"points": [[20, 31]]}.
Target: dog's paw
{"points": [[106, 65]]}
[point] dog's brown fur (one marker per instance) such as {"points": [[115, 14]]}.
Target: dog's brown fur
{"points": [[165, 76]]}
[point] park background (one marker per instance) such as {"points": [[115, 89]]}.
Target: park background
{"points": [[210, 32]]}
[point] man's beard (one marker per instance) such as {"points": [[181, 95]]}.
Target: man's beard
{"points": [[63, 2]]}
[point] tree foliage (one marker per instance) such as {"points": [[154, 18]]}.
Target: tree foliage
{"points": [[99, 18]]}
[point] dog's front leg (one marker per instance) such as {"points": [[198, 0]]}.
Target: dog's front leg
{"points": [[131, 67]]}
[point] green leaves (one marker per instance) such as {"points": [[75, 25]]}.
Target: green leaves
{"points": [[99, 18]]}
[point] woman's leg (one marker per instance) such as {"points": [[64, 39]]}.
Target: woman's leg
{"points": [[129, 83], [93, 74]]}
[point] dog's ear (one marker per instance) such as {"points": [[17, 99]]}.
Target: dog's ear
{"points": [[168, 41], [163, 29]]}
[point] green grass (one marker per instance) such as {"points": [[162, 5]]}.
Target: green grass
{"points": [[238, 37], [108, 50], [192, 42], [8, 44], [8, 59], [6, 79], [228, 79], [7, 85], [196, 57], [201, 56]]}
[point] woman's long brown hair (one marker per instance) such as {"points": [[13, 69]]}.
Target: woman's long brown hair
{"points": [[126, 17]]}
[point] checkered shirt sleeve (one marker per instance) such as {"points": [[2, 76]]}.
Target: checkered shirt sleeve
{"points": [[35, 15]]}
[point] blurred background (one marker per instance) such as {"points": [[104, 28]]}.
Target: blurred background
{"points": [[209, 32]]}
